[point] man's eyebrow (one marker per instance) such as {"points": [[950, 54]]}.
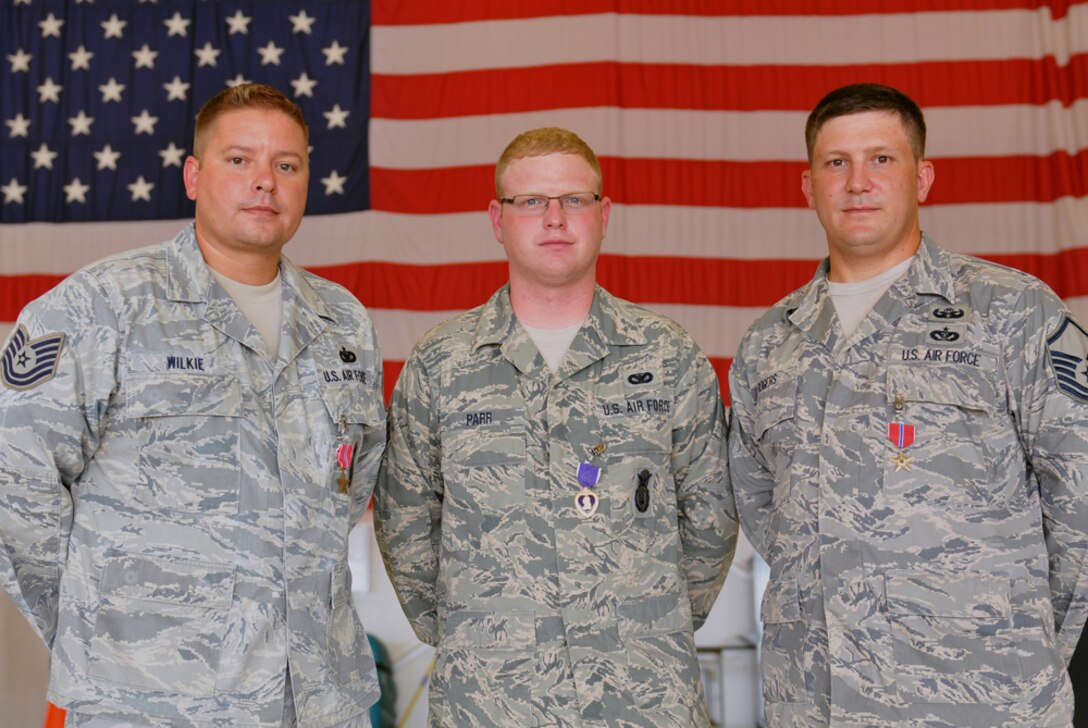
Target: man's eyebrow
{"points": [[881, 148], [278, 154]]}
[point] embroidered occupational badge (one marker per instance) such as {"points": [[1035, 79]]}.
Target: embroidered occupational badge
{"points": [[1068, 349], [947, 313], [642, 492], [944, 336], [26, 363]]}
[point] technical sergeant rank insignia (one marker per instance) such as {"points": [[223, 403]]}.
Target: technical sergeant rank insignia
{"points": [[27, 363]]}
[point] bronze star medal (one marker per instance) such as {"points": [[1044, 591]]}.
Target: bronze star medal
{"points": [[901, 435], [345, 458], [902, 461]]}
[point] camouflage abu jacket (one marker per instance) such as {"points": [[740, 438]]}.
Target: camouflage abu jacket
{"points": [[543, 615], [920, 491], [170, 508]]}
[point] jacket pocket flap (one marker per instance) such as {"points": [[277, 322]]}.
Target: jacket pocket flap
{"points": [[776, 400], [485, 435], [158, 395], [169, 581], [494, 630], [654, 615], [968, 596], [353, 405], [962, 387], [781, 602]]}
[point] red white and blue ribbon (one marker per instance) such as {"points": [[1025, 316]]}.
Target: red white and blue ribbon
{"points": [[901, 434], [345, 452]]}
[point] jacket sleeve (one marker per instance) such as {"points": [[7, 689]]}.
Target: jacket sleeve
{"points": [[408, 499], [1051, 414], [752, 479], [51, 421], [706, 515]]}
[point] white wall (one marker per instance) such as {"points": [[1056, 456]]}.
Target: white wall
{"points": [[381, 615], [24, 670]]}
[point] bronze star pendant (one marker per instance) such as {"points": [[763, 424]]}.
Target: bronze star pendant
{"points": [[902, 461], [344, 481]]}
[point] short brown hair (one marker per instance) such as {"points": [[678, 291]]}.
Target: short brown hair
{"points": [[861, 97], [245, 96], [540, 142]]}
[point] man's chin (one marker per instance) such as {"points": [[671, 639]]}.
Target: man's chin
{"points": [[262, 239], [860, 240]]}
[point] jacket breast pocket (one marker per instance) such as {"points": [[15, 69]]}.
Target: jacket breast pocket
{"points": [[783, 643], [349, 650], [662, 666], [638, 492], [775, 428], [160, 623], [188, 427], [484, 471], [957, 640], [356, 416], [956, 435], [483, 458], [484, 669]]}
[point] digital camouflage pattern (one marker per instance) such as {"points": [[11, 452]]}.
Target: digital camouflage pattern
{"points": [[543, 617], [920, 491], [170, 512]]}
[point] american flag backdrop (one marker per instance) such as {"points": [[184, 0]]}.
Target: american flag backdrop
{"points": [[696, 107]]}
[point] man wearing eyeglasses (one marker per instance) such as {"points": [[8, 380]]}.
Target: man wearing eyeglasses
{"points": [[554, 507]]}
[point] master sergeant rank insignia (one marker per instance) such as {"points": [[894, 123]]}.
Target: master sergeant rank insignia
{"points": [[27, 363], [1068, 349]]}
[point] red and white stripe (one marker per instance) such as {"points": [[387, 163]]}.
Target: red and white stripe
{"points": [[697, 110]]}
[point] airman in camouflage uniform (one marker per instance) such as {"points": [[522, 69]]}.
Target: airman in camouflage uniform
{"points": [[919, 486], [174, 503], [557, 534]]}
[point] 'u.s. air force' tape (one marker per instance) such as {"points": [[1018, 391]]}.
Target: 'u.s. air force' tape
{"points": [[25, 363], [1069, 356]]}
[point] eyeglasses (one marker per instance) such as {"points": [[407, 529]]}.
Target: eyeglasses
{"points": [[573, 203]]}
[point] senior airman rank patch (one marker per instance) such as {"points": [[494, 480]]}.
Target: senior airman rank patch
{"points": [[27, 363], [1068, 348]]}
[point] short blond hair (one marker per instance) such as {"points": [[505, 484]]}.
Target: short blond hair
{"points": [[541, 142], [241, 97]]}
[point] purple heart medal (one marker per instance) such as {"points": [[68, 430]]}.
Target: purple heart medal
{"points": [[586, 501]]}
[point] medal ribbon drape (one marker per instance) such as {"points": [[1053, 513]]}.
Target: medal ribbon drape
{"points": [[587, 501]]}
